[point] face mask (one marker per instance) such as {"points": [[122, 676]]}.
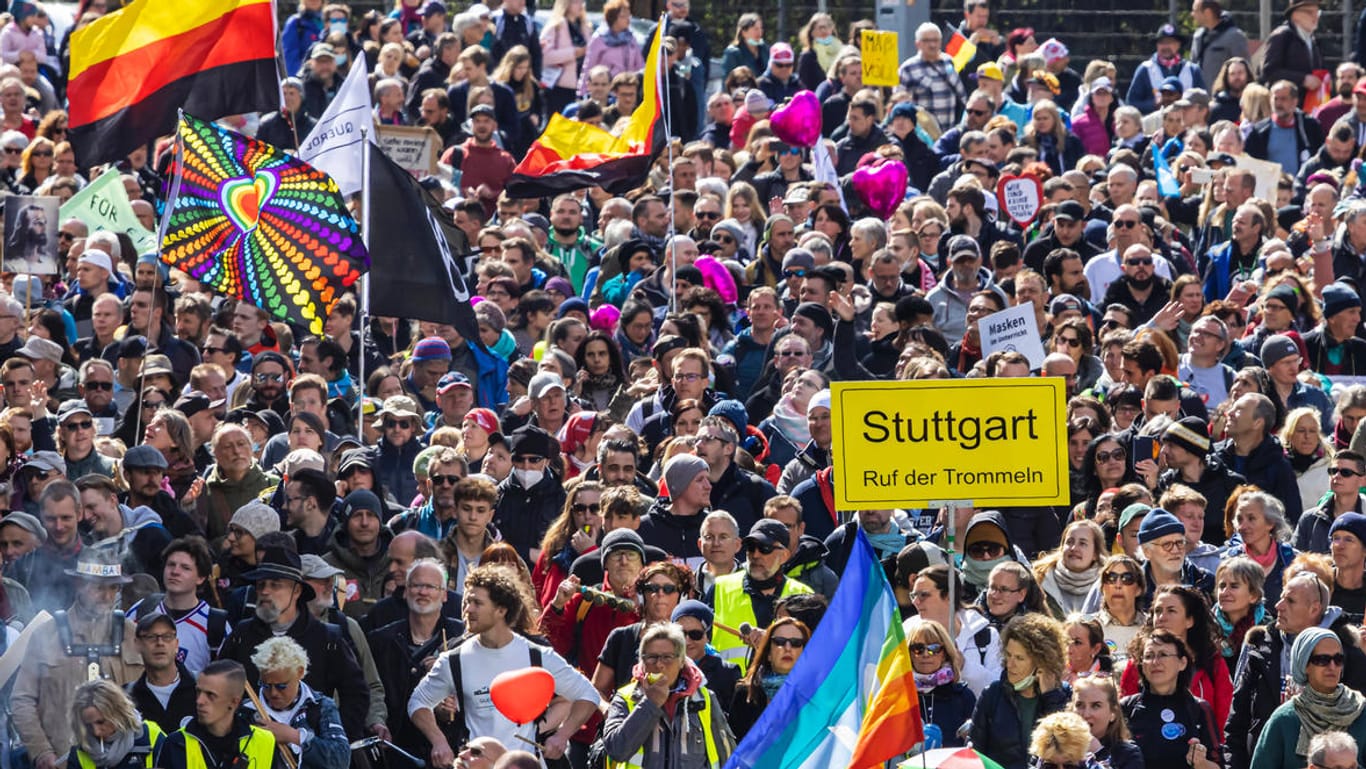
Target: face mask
{"points": [[755, 42], [827, 40], [1026, 683], [337, 26], [528, 478], [341, 62]]}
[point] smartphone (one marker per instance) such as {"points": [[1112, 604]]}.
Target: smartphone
{"points": [[1202, 175], [1145, 447]]}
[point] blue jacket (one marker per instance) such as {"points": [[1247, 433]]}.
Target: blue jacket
{"points": [[1218, 279], [996, 730], [746, 357], [301, 31], [328, 747], [394, 468]]}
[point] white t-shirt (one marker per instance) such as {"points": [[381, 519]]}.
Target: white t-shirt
{"points": [[163, 693], [1209, 382], [479, 665]]}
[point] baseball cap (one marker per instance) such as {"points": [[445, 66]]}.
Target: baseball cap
{"points": [[99, 258], [451, 381], [1070, 210], [781, 53], [990, 70]]}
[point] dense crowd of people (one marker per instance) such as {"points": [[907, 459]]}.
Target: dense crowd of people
{"points": [[230, 540]]}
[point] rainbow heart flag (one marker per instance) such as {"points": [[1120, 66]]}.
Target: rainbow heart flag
{"points": [[259, 225]]}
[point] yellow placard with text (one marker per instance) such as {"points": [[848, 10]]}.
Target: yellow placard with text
{"points": [[989, 441], [881, 58]]}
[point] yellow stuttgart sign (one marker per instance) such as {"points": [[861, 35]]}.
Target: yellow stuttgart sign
{"points": [[990, 441]]}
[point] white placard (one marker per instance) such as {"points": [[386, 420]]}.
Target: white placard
{"points": [[1013, 329]]}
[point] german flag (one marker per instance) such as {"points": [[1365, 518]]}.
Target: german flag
{"points": [[570, 155], [134, 69], [960, 49]]}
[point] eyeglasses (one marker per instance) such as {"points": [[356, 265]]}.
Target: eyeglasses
{"points": [[237, 531], [269, 377], [1324, 660], [657, 589], [277, 687], [787, 643], [794, 273], [1070, 341], [926, 650], [527, 459], [681, 377], [398, 424], [695, 635], [157, 638], [658, 659], [1139, 262], [580, 509], [1125, 224], [978, 112], [1002, 589], [1120, 578], [986, 549], [444, 480], [99, 385], [74, 427], [423, 587], [1114, 455], [1151, 657], [1345, 472], [1174, 546]]}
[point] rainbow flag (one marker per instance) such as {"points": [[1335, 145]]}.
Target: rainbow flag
{"points": [[133, 69], [850, 701], [960, 49]]}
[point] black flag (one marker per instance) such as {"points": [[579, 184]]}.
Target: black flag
{"points": [[417, 253]]}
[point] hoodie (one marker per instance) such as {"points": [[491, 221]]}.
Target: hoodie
{"points": [[142, 539], [676, 535], [950, 307], [364, 576], [975, 572], [807, 566]]}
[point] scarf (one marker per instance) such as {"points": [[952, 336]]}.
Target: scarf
{"points": [[1320, 713], [505, 346], [1342, 437], [1302, 462], [615, 39], [826, 52], [1070, 588], [926, 683], [789, 423], [630, 350], [772, 682], [887, 544], [111, 753], [976, 572]]}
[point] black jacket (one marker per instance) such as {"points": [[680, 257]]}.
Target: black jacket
{"points": [[996, 731], [1353, 357], [1308, 136], [335, 673], [180, 705], [850, 148], [1267, 467], [523, 514], [1215, 484], [432, 74], [742, 494], [400, 669], [1259, 677], [1152, 716], [674, 534], [948, 706], [393, 608], [1287, 57]]}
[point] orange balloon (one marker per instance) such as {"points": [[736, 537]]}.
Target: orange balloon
{"points": [[522, 695]]}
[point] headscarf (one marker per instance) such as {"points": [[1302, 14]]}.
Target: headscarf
{"points": [[1319, 712]]}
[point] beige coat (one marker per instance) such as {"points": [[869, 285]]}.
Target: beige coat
{"points": [[47, 681]]}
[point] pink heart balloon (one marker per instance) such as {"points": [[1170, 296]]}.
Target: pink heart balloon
{"points": [[798, 122], [881, 187]]}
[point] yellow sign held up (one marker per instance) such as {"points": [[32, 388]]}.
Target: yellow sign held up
{"points": [[881, 58], [992, 441]]}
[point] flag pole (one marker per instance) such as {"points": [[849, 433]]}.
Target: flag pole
{"points": [[364, 279], [662, 78]]}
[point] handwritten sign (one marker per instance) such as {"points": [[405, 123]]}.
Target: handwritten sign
{"points": [[881, 58], [413, 148], [1020, 197], [1013, 329]]}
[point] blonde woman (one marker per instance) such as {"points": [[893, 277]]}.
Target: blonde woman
{"points": [[946, 703], [514, 71], [742, 205], [1047, 133], [109, 732], [564, 43]]}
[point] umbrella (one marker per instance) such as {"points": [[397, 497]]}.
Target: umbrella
{"points": [[949, 758]]}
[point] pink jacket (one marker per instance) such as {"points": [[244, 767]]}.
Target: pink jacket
{"points": [[1089, 128], [557, 50], [619, 59]]}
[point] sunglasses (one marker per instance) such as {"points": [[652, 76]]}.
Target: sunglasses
{"points": [[978, 112], [527, 459], [580, 508], [1145, 262], [444, 480], [790, 643], [41, 154], [99, 385], [269, 377], [794, 273], [1345, 472], [707, 215], [790, 354], [926, 650], [1114, 455], [215, 351], [695, 635], [277, 687], [986, 549], [791, 150], [657, 589], [725, 240], [765, 548], [1070, 341], [400, 424], [1125, 224], [1120, 578], [1324, 660], [73, 427]]}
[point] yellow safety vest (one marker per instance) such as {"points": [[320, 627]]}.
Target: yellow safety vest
{"points": [[258, 748], [734, 607], [636, 761], [154, 736]]}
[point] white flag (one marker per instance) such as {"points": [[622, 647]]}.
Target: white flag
{"points": [[823, 168], [334, 145]]}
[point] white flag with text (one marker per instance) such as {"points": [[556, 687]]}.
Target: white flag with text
{"points": [[334, 144]]}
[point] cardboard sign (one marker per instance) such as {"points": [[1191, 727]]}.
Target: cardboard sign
{"points": [[1013, 329], [1267, 174], [881, 58], [1020, 198], [413, 148], [991, 441]]}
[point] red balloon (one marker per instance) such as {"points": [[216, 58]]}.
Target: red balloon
{"points": [[522, 695]]}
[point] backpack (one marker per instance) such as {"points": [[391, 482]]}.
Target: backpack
{"points": [[461, 732], [216, 631]]}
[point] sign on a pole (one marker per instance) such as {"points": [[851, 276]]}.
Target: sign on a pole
{"points": [[992, 441], [1014, 328], [881, 59]]}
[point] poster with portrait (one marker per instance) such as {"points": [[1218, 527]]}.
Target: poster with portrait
{"points": [[30, 244]]}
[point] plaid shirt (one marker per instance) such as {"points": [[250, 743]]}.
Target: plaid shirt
{"points": [[935, 87]]}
